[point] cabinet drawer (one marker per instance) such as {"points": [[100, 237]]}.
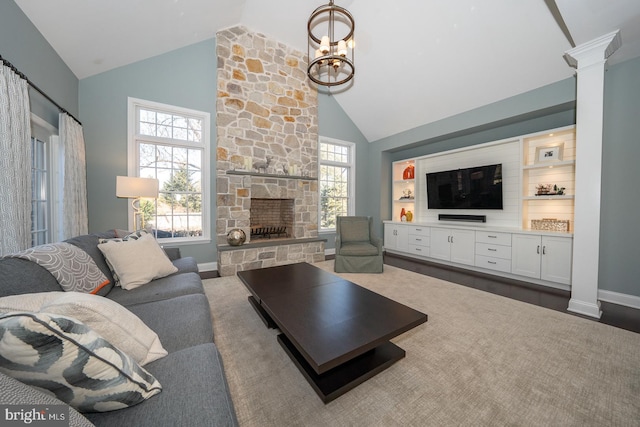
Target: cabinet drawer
{"points": [[418, 231], [494, 251], [418, 239], [419, 250], [495, 238], [492, 263]]}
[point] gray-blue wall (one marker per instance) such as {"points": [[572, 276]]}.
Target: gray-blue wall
{"points": [[185, 78], [23, 45], [619, 232], [333, 122]]}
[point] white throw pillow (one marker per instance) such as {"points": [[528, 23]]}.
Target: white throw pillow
{"points": [[68, 358], [137, 262], [111, 320]]}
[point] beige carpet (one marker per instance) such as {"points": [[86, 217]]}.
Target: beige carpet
{"points": [[480, 360]]}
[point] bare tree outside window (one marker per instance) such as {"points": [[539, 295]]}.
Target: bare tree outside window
{"points": [[170, 148]]}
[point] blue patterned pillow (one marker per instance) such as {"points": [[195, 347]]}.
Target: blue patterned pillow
{"points": [[63, 355]]}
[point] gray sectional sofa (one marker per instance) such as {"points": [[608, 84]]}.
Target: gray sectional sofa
{"points": [[194, 388]]}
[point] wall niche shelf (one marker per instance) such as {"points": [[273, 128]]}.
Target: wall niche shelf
{"points": [[560, 172], [400, 186], [550, 197], [550, 165], [270, 175]]}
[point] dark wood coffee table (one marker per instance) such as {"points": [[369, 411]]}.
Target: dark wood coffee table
{"points": [[336, 332]]}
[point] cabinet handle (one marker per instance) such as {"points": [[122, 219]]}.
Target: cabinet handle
{"points": [[418, 240], [492, 250], [418, 249], [544, 250], [492, 237], [491, 262], [538, 250], [448, 239], [451, 239]]}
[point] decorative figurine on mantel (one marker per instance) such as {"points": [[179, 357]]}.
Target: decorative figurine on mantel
{"points": [[261, 166]]}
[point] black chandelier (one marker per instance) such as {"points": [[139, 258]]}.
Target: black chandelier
{"points": [[330, 32]]}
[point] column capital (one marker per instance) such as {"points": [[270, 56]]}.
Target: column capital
{"points": [[594, 51]]}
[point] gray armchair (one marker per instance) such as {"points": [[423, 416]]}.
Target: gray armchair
{"points": [[357, 249]]}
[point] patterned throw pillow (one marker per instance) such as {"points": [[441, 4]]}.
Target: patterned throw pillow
{"points": [[136, 262], [73, 268], [61, 354]]}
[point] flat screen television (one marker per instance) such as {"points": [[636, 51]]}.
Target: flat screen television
{"points": [[471, 188]]}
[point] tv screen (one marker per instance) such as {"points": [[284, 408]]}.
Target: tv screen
{"points": [[471, 188]]}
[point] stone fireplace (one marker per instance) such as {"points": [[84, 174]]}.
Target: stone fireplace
{"points": [[267, 155]]}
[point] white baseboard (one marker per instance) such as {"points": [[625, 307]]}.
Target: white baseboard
{"points": [[207, 266], [620, 299]]}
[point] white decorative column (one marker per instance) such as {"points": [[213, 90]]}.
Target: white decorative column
{"points": [[589, 59]]}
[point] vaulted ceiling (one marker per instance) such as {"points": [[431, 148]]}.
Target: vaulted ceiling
{"points": [[417, 61]]}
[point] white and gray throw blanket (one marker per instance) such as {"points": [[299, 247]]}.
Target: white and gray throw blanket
{"points": [[73, 268]]}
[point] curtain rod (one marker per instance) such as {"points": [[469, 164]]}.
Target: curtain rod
{"points": [[36, 88]]}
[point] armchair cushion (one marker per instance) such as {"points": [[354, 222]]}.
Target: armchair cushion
{"points": [[358, 249]]}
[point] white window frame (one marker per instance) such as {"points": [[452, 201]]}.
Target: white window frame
{"points": [[48, 133], [133, 161], [351, 188]]}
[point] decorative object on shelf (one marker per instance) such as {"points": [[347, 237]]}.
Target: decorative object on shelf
{"points": [[547, 190], [409, 216], [236, 237], [543, 189], [550, 224], [331, 64], [407, 194], [550, 153], [403, 215], [261, 166], [409, 172]]}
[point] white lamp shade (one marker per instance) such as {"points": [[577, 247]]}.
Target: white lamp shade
{"points": [[130, 186]]}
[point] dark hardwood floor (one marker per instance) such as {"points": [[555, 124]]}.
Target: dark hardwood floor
{"points": [[612, 314], [543, 296]]}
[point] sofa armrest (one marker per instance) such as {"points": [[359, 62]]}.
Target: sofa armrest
{"points": [[172, 253]]}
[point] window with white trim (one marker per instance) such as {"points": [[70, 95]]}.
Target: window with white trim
{"points": [[336, 181], [172, 145], [46, 184]]}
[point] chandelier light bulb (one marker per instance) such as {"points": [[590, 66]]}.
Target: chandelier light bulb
{"points": [[342, 48], [324, 45]]}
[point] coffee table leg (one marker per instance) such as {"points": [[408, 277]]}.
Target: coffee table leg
{"points": [[266, 319], [339, 380]]}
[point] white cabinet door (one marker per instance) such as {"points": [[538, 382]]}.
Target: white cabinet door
{"points": [[441, 243], [556, 259], [453, 245], [525, 255], [463, 246], [396, 237], [542, 257]]}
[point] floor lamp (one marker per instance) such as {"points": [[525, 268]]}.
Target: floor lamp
{"points": [[133, 187]]}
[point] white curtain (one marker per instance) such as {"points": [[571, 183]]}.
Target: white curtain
{"points": [[15, 163], [74, 199]]}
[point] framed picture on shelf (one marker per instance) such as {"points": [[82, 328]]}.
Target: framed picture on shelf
{"points": [[550, 153]]}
